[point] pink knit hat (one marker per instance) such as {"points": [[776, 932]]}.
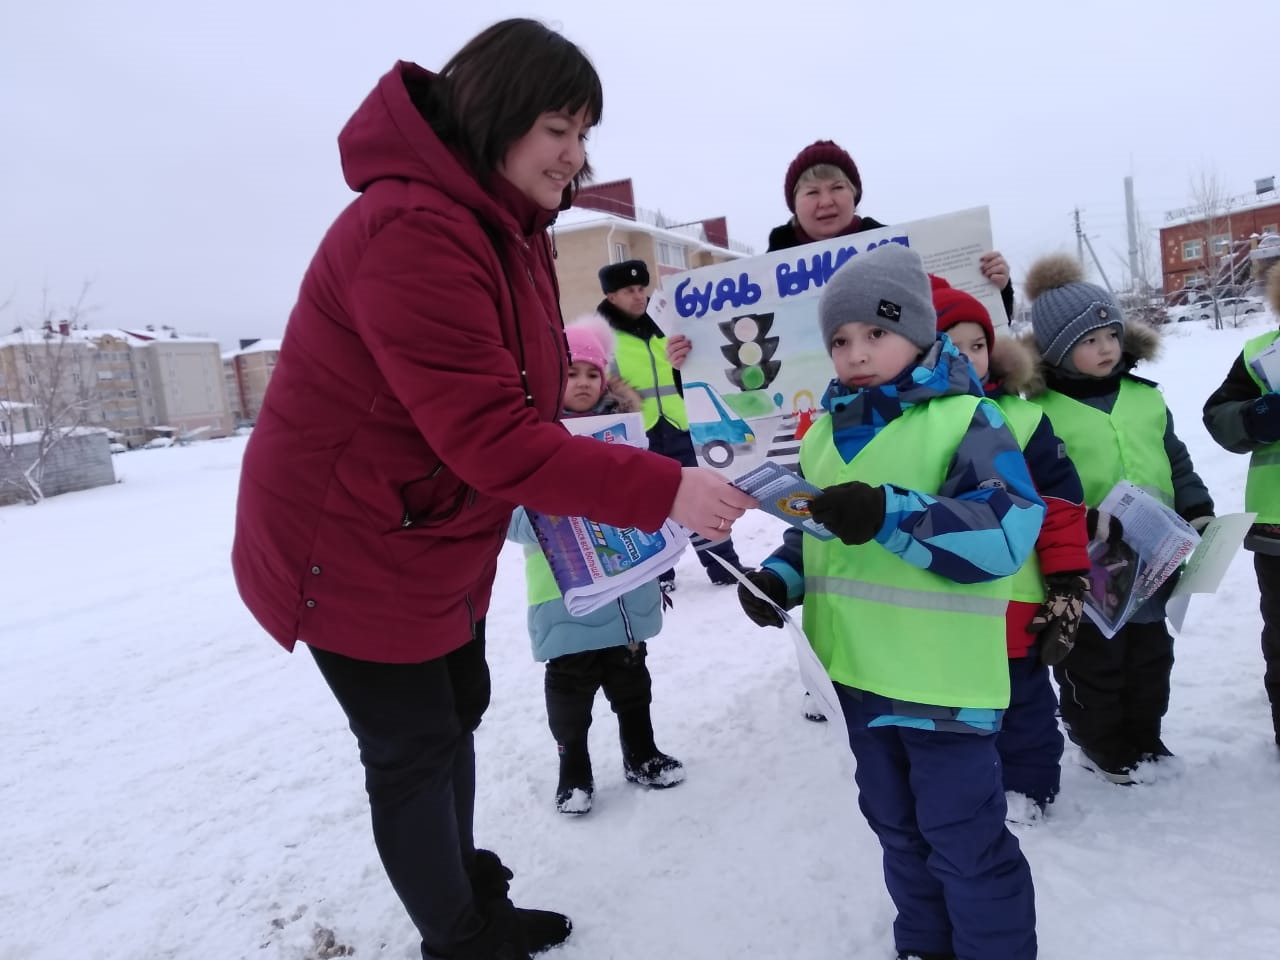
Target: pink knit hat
{"points": [[590, 341]]}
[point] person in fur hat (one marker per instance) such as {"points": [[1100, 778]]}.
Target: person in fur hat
{"points": [[1243, 416], [604, 649], [1114, 692], [1048, 592]]}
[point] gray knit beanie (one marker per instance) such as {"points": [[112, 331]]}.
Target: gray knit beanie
{"points": [[1064, 307], [886, 287]]}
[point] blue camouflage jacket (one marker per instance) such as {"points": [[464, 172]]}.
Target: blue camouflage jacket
{"points": [[988, 496]]}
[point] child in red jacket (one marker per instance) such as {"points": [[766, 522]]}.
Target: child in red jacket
{"points": [[1044, 614]]}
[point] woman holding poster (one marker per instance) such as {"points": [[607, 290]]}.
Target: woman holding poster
{"points": [[414, 405], [823, 189]]}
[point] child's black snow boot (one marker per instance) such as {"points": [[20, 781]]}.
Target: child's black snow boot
{"points": [[642, 761], [575, 787]]}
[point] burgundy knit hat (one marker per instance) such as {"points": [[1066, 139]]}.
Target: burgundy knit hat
{"points": [[822, 151], [955, 306]]}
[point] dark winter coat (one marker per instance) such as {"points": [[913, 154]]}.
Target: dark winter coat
{"points": [[1191, 497], [1062, 544], [789, 234], [413, 406], [1224, 419]]}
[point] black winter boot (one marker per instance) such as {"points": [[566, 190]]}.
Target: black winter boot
{"points": [[501, 938], [642, 761], [542, 929], [576, 786]]}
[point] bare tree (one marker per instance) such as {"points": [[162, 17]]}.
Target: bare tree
{"points": [[1211, 207], [49, 392]]}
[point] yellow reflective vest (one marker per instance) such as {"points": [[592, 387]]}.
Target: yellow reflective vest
{"points": [[643, 364], [1262, 487], [879, 623]]}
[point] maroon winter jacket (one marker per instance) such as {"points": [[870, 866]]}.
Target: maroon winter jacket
{"points": [[397, 432]]}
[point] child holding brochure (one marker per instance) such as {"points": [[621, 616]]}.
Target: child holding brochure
{"points": [[1048, 592], [1114, 691], [604, 649], [933, 509], [1243, 415]]}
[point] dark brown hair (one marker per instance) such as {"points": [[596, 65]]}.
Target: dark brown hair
{"points": [[492, 90]]}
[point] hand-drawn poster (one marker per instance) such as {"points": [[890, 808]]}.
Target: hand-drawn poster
{"points": [[758, 368]]}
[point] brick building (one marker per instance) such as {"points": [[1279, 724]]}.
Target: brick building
{"points": [[1198, 252]]}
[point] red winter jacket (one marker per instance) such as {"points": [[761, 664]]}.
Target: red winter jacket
{"points": [[1062, 545], [398, 431]]}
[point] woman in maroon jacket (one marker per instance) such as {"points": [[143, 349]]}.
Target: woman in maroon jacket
{"points": [[413, 405]]}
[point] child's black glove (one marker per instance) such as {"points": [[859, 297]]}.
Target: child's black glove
{"points": [[1262, 418], [1058, 618], [1103, 527], [852, 511], [771, 585]]}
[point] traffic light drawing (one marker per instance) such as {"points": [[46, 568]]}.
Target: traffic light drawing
{"points": [[750, 350]]}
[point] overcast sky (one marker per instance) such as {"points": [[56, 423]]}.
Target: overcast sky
{"points": [[182, 157]]}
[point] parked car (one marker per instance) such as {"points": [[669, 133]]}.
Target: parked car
{"points": [[1229, 308]]}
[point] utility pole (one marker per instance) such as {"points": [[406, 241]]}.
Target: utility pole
{"points": [[1131, 215], [1081, 242], [1079, 238]]}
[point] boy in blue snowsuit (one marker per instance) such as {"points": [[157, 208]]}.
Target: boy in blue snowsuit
{"points": [[604, 649], [929, 497]]}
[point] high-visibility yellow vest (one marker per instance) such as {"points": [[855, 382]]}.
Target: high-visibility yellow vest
{"points": [[1125, 444], [879, 623], [1262, 485], [1023, 417], [643, 364]]}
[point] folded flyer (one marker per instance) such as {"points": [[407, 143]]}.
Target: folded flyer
{"points": [[784, 494], [595, 563]]}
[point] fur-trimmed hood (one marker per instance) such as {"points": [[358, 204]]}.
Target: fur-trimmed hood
{"points": [[625, 397], [1141, 342], [1014, 365]]}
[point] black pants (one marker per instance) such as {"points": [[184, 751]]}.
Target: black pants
{"points": [[678, 445], [572, 682], [1115, 692], [414, 724], [1268, 570]]}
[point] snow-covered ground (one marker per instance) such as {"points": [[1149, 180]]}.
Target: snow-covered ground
{"points": [[175, 786]]}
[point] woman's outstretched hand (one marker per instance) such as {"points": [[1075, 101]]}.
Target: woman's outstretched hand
{"points": [[707, 505]]}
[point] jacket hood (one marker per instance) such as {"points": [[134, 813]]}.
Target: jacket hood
{"points": [[618, 397], [858, 415], [1141, 342], [388, 138], [1015, 367]]}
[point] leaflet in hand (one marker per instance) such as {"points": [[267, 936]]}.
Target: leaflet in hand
{"points": [[784, 494], [813, 674], [595, 563], [1267, 365], [1123, 576]]}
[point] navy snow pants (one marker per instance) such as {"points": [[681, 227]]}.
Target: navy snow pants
{"points": [[935, 799]]}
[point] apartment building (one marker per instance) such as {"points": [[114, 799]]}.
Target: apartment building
{"points": [[605, 226], [134, 384], [180, 386], [246, 373]]}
